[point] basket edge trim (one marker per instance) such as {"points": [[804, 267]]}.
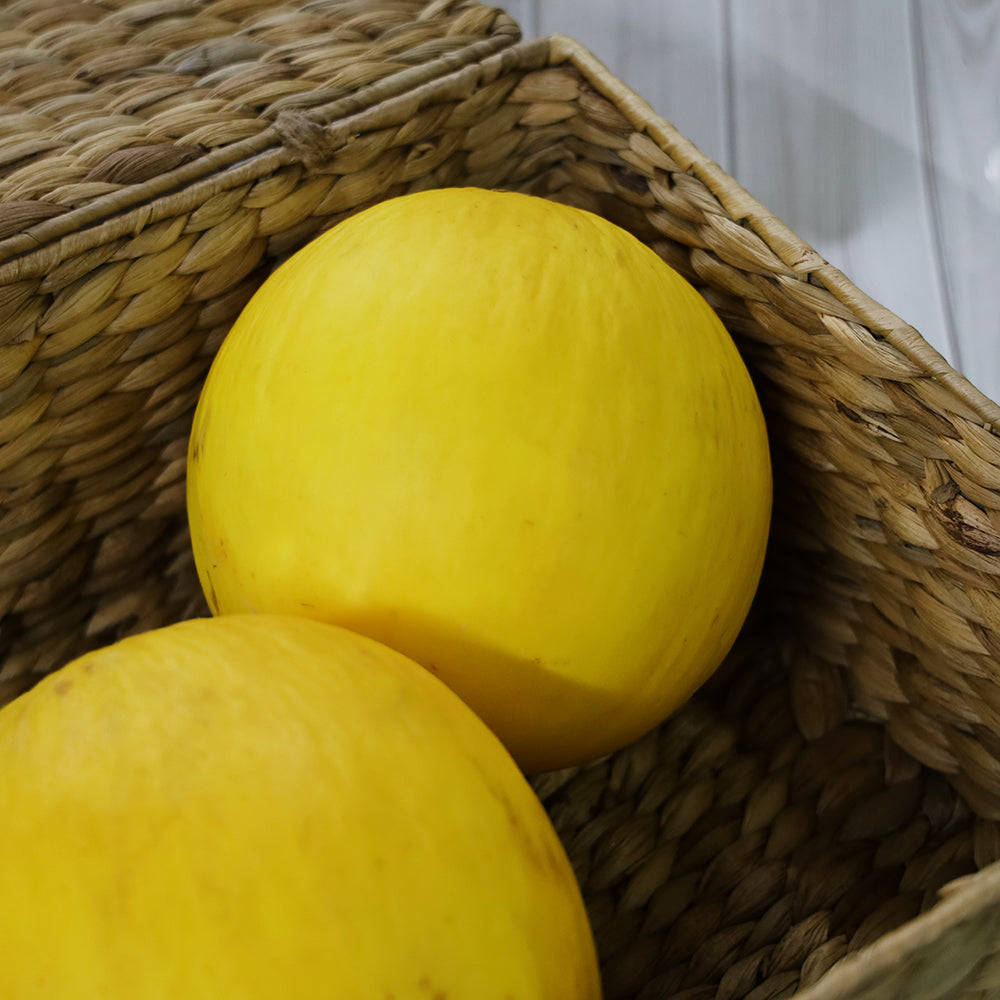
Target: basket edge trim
{"points": [[104, 208], [744, 209], [973, 899]]}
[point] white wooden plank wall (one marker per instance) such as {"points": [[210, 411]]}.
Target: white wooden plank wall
{"points": [[871, 127], [958, 73]]}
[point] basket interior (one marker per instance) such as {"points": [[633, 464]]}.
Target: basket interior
{"points": [[805, 801]]}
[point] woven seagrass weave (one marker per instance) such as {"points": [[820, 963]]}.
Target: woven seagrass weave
{"points": [[787, 833], [100, 94]]}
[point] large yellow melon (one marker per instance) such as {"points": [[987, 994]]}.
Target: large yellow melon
{"points": [[500, 435], [258, 807]]}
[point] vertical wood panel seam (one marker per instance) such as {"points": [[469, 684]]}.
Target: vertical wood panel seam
{"points": [[534, 18], [728, 92], [930, 188]]}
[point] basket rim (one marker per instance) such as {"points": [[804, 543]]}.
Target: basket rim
{"points": [[794, 252], [299, 136], [288, 134], [922, 941]]}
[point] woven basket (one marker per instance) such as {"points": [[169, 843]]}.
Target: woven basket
{"points": [[822, 819]]}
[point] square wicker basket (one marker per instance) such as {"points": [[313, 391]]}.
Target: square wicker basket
{"points": [[821, 821]]}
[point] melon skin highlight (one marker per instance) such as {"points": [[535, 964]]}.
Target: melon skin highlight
{"points": [[503, 437]]}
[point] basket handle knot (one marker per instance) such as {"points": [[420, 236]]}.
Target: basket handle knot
{"points": [[311, 142]]}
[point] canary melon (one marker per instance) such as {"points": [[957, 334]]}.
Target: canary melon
{"points": [[261, 807], [502, 436]]}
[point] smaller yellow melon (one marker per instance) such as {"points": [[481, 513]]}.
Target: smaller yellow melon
{"points": [[265, 807]]}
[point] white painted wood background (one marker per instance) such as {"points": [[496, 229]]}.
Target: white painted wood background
{"points": [[871, 127]]}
